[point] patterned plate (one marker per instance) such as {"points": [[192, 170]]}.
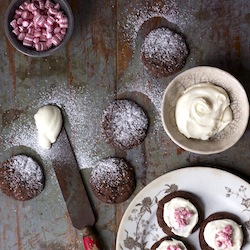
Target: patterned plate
{"points": [[218, 190]]}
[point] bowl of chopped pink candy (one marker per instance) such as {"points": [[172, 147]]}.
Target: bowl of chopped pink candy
{"points": [[38, 28]]}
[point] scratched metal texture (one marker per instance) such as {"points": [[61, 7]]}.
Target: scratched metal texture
{"points": [[100, 59]]}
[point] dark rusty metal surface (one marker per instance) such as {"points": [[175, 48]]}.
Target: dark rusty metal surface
{"points": [[100, 63]]}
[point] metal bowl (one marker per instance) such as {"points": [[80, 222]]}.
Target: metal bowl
{"points": [[30, 51]]}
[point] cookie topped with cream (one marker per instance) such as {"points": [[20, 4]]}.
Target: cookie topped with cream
{"points": [[179, 214], [221, 231], [168, 243]]}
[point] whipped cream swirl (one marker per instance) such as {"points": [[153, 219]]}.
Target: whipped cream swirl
{"points": [[203, 111]]}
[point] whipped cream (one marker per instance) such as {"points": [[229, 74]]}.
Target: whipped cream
{"points": [[180, 225], [203, 111], [48, 121], [216, 236], [175, 244]]}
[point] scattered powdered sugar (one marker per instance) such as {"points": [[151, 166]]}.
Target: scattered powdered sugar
{"points": [[144, 11], [112, 180], [81, 113], [164, 51], [29, 171], [81, 118], [150, 88], [21, 177], [124, 123], [24, 170], [110, 170]]}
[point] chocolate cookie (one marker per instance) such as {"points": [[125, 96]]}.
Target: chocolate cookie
{"points": [[164, 52], [214, 217], [112, 180], [124, 124], [21, 178], [186, 196], [176, 242]]}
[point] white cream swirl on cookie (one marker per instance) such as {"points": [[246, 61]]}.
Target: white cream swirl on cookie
{"points": [[171, 245], [223, 234], [203, 111], [181, 216]]}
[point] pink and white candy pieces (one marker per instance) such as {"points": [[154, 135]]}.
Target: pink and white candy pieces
{"points": [[182, 216], [40, 24], [174, 247], [224, 237]]}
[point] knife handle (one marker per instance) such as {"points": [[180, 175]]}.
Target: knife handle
{"points": [[89, 239]]}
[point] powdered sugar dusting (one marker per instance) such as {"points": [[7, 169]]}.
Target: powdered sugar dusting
{"points": [[124, 123], [110, 171], [79, 113], [28, 169], [145, 11], [164, 51], [112, 180], [150, 88], [21, 174]]}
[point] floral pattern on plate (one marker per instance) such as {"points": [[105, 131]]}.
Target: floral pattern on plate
{"points": [[218, 189], [138, 239]]}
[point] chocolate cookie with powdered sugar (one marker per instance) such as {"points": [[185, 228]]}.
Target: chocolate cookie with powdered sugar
{"points": [[21, 178], [124, 124], [112, 180], [164, 52]]}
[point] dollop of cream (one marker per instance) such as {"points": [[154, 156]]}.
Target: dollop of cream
{"points": [[48, 121], [203, 111], [171, 243], [214, 227], [169, 216]]}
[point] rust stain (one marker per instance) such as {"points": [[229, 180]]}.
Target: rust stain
{"points": [[71, 231], [118, 217], [10, 115], [4, 232], [179, 151], [124, 56], [12, 68], [33, 240], [100, 46], [69, 73], [19, 243], [236, 45], [247, 18]]}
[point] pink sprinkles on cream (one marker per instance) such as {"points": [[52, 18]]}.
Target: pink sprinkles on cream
{"points": [[224, 237], [182, 216], [175, 247]]}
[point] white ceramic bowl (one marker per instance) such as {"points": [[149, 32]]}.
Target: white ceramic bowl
{"points": [[239, 104]]}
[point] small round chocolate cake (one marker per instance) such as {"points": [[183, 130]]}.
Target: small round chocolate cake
{"points": [[124, 124], [21, 178], [179, 214], [170, 243], [112, 180], [164, 52], [221, 230]]}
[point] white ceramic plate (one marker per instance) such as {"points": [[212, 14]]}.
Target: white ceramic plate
{"points": [[217, 189], [239, 104]]}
